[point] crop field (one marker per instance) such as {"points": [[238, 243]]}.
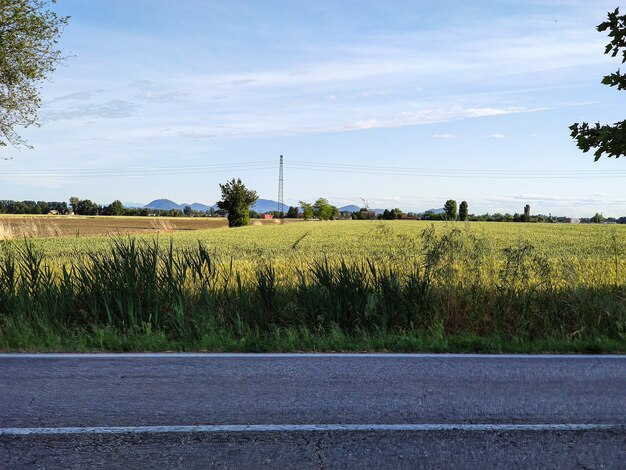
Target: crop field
{"points": [[343, 285], [28, 226]]}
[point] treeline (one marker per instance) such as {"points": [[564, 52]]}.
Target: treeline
{"points": [[540, 218], [321, 209], [79, 206], [32, 207]]}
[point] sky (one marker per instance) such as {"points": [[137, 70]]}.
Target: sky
{"points": [[398, 103]]}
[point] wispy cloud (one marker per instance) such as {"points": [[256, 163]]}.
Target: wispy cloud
{"points": [[111, 109], [76, 96], [496, 136], [445, 136], [171, 97]]}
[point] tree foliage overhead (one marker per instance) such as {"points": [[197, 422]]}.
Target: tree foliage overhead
{"points": [[236, 200], [29, 32], [607, 139]]}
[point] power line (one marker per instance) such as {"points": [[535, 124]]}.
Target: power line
{"points": [[453, 173], [377, 170]]}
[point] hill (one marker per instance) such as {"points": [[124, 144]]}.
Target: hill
{"points": [[261, 206], [434, 211], [133, 205], [266, 205], [196, 206], [163, 205]]}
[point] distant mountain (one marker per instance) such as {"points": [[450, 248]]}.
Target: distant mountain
{"points": [[266, 205], [163, 205], [196, 206], [354, 208], [261, 206], [435, 211], [133, 205]]}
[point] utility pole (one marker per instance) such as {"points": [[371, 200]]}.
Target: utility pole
{"points": [[280, 190]]}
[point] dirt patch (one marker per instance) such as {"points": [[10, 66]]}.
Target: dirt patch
{"points": [[12, 227]]}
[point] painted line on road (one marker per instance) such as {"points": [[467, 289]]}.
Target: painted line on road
{"points": [[301, 355], [265, 428]]}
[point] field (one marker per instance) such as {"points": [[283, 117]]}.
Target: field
{"points": [[46, 226], [345, 285], [28, 226]]}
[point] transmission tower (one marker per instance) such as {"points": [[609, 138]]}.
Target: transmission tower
{"points": [[281, 204]]}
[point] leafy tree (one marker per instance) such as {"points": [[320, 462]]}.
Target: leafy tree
{"points": [[322, 209], [463, 214], [292, 212], [598, 218], [174, 213], [60, 207], [607, 139], [450, 209], [236, 201], [29, 32], [116, 208], [74, 203], [526, 217], [87, 207], [307, 210], [396, 214], [187, 211], [365, 213]]}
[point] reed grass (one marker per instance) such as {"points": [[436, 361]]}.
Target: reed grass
{"points": [[452, 291]]}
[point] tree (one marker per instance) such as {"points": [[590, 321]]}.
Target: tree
{"points": [[323, 210], [307, 210], [29, 32], [396, 214], [187, 211], [526, 217], [74, 203], [607, 139], [236, 201], [116, 208], [463, 214], [86, 207], [450, 209], [292, 212], [598, 218]]}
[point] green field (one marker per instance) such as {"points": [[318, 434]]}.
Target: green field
{"points": [[344, 285]]}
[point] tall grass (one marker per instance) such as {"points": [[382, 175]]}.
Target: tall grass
{"points": [[452, 284]]}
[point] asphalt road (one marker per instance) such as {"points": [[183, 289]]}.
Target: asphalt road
{"points": [[312, 411]]}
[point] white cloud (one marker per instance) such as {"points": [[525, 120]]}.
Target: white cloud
{"points": [[496, 136], [445, 136]]}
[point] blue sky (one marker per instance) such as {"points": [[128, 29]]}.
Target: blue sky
{"points": [[191, 93]]}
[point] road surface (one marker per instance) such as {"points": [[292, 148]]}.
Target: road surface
{"points": [[321, 411]]}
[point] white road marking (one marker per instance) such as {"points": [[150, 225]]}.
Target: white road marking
{"points": [[302, 355], [264, 428]]}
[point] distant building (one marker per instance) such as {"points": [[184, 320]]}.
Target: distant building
{"points": [[268, 216]]}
